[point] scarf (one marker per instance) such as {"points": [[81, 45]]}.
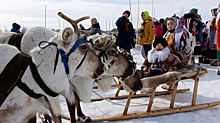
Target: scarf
{"points": [[142, 26], [126, 23]]}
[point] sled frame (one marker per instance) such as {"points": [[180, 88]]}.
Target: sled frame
{"points": [[149, 112]]}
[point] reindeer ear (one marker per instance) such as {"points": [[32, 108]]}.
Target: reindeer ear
{"points": [[67, 34]]}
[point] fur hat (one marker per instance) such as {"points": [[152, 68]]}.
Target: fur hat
{"points": [[128, 12], [16, 26], [161, 40]]}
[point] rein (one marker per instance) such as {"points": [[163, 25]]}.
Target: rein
{"points": [[104, 55]]}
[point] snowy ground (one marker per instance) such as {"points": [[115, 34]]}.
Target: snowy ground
{"points": [[208, 91]]}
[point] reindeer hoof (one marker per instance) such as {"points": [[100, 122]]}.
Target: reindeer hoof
{"points": [[85, 119]]}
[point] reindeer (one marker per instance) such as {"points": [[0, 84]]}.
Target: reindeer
{"points": [[83, 86], [20, 107], [120, 63]]}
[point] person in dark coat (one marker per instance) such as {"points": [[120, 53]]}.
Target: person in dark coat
{"points": [[125, 38], [16, 28], [95, 28], [164, 26], [82, 27]]}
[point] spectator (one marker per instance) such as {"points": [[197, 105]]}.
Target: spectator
{"points": [[211, 37], [95, 28], [158, 31], [16, 28], [125, 38], [193, 24], [147, 33], [157, 58], [164, 26], [81, 27]]}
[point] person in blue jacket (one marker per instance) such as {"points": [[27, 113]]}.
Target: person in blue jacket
{"points": [[125, 38], [16, 28]]}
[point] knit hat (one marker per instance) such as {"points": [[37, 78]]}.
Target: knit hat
{"points": [[128, 12], [16, 26], [161, 40], [215, 10], [94, 20]]}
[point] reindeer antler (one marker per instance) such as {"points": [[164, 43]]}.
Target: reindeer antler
{"points": [[73, 22]]}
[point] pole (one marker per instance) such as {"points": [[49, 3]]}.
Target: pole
{"points": [[59, 21], [45, 16], [130, 10], [152, 8], [109, 25], [137, 26]]}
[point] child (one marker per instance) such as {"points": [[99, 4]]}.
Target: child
{"points": [[157, 58]]}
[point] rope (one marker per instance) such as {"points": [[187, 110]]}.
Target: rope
{"points": [[122, 104]]}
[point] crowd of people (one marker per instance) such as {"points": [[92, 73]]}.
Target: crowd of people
{"points": [[178, 32]]}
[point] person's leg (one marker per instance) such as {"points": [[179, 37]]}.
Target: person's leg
{"points": [[147, 48]]}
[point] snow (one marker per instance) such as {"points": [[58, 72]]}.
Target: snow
{"points": [[208, 91]]}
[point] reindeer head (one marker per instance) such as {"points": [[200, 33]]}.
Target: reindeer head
{"points": [[118, 63]]}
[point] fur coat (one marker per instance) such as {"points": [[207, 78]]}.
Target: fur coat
{"points": [[158, 55]]}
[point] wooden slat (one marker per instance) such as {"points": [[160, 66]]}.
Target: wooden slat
{"points": [[195, 90], [142, 95], [173, 95], [151, 101], [127, 104]]}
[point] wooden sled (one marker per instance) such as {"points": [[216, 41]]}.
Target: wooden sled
{"points": [[169, 91], [170, 110]]}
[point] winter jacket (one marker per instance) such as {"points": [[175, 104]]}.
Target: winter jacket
{"points": [[125, 37], [15, 30], [158, 60], [147, 33], [94, 29], [158, 29]]}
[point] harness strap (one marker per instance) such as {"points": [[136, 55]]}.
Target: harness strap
{"points": [[82, 60], [39, 80], [27, 90], [65, 57], [10, 76], [57, 55]]}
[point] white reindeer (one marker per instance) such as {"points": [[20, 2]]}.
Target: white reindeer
{"points": [[119, 65], [18, 106]]}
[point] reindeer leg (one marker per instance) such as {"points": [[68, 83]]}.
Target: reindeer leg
{"points": [[81, 116], [71, 108]]}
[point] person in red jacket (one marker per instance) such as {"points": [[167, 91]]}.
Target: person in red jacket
{"points": [[158, 31]]}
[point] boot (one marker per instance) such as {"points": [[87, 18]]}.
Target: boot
{"points": [[214, 63]]}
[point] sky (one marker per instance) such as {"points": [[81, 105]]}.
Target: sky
{"points": [[31, 13]]}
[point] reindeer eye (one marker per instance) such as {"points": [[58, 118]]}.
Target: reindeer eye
{"points": [[84, 47], [113, 51]]}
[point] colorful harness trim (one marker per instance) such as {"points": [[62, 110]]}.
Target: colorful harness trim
{"points": [[65, 57]]}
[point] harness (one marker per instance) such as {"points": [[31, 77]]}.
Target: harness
{"points": [[65, 56], [104, 55], [11, 77]]}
